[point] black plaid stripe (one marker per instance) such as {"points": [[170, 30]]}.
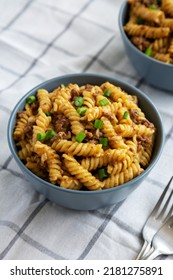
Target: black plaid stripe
{"points": [[52, 7], [38, 246], [9, 70], [21, 230], [106, 217], [169, 134], [94, 58], [118, 222], [98, 53], [11, 171], [71, 54], [6, 163], [100, 230], [115, 71], [48, 46], [17, 15]]}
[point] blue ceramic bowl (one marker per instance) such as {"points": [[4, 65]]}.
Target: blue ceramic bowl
{"points": [[154, 72], [88, 200]]}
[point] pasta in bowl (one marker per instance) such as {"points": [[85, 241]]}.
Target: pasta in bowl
{"points": [[85, 140], [146, 27]]}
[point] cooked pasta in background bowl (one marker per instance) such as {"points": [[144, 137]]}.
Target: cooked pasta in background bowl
{"points": [[85, 141], [146, 27]]}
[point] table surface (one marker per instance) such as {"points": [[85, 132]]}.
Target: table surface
{"points": [[39, 40]]}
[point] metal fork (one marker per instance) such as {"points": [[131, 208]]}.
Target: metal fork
{"points": [[162, 243], [160, 214]]}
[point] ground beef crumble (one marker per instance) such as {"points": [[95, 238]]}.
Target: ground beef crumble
{"points": [[61, 123], [141, 43]]}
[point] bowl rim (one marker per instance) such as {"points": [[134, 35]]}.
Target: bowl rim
{"points": [[123, 6], [83, 75]]}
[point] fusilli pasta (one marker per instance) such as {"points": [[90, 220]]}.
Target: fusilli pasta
{"points": [[85, 137], [150, 28]]}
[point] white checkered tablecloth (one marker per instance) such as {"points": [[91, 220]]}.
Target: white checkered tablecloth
{"points": [[41, 39]]}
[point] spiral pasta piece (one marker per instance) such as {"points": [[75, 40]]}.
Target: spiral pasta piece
{"points": [[115, 169], [145, 152], [120, 166], [28, 110], [64, 92], [83, 175], [148, 14], [159, 44], [115, 140], [144, 156], [162, 57], [79, 149], [123, 177], [43, 121], [33, 166], [132, 145], [120, 96], [168, 22], [146, 31], [167, 7], [52, 159], [68, 182], [69, 111], [42, 124], [96, 112], [89, 100], [26, 151], [21, 123], [109, 156], [126, 130], [117, 94], [44, 100]]}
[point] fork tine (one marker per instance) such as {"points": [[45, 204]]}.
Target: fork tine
{"points": [[162, 209], [162, 241], [159, 203]]}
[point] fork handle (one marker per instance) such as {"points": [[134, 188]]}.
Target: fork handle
{"points": [[144, 250]]}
